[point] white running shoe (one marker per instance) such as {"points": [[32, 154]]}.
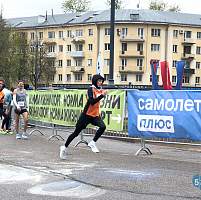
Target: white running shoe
{"points": [[92, 144], [18, 136], [63, 153], [24, 136]]}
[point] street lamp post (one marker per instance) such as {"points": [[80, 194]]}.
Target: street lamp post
{"points": [[36, 65], [37, 45], [112, 20]]}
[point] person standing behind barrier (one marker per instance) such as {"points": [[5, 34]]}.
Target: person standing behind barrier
{"points": [[21, 108], [6, 110], [90, 115], [2, 84]]}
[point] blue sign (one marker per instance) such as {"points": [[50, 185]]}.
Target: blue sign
{"points": [[197, 181], [166, 114]]}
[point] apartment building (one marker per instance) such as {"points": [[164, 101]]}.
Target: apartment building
{"points": [[75, 40]]}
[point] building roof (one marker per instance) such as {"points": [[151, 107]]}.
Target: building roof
{"points": [[122, 16]]}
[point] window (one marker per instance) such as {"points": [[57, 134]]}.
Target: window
{"points": [[123, 47], [51, 48], [107, 62], [124, 62], [68, 48], [187, 34], [69, 33], [174, 79], [157, 76], [186, 79], [197, 80], [138, 77], [78, 77], [198, 35], [90, 46], [60, 48], [107, 31], [90, 32], [51, 34], [139, 47], [106, 77], [174, 63], [155, 47], [32, 35], [68, 77], [124, 31], [60, 63], [61, 34], [89, 62], [79, 47], [155, 32], [40, 35], [32, 49], [107, 46], [52, 63], [197, 65], [198, 50], [175, 33], [60, 77], [89, 77], [187, 49], [139, 62], [79, 33], [174, 49], [68, 62], [123, 77], [78, 62], [140, 33]]}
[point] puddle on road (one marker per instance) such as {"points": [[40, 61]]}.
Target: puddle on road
{"points": [[11, 174], [67, 189]]}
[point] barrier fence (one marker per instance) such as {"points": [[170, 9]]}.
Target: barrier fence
{"points": [[157, 116]]}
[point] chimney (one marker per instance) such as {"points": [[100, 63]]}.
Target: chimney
{"points": [[46, 16], [52, 13]]}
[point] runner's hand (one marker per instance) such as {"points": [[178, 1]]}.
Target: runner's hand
{"points": [[105, 92]]}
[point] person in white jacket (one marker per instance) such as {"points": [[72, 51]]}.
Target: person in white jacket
{"points": [[21, 108]]}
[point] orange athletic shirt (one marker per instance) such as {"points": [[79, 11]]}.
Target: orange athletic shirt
{"points": [[1, 96], [94, 109]]}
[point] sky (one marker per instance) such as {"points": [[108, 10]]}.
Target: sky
{"points": [[26, 8]]}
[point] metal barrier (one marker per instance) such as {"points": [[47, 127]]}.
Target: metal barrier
{"points": [[123, 135]]}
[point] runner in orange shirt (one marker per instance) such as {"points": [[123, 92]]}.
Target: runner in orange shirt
{"points": [[90, 115]]}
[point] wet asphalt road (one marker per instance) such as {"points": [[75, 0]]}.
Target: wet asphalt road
{"points": [[32, 170]]}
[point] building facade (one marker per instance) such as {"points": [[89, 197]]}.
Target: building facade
{"points": [[75, 41]]}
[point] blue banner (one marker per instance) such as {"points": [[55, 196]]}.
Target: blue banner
{"points": [[165, 114]]}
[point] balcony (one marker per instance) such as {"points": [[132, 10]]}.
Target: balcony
{"points": [[189, 71], [78, 40], [132, 54], [77, 54], [129, 39], [131, 69], [77, 69], [189, 41], [186, 56], [51, 55], [49, 41]]}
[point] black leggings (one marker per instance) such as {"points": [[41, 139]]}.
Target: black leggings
{"points": [[6, 120], [82, 123]]}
